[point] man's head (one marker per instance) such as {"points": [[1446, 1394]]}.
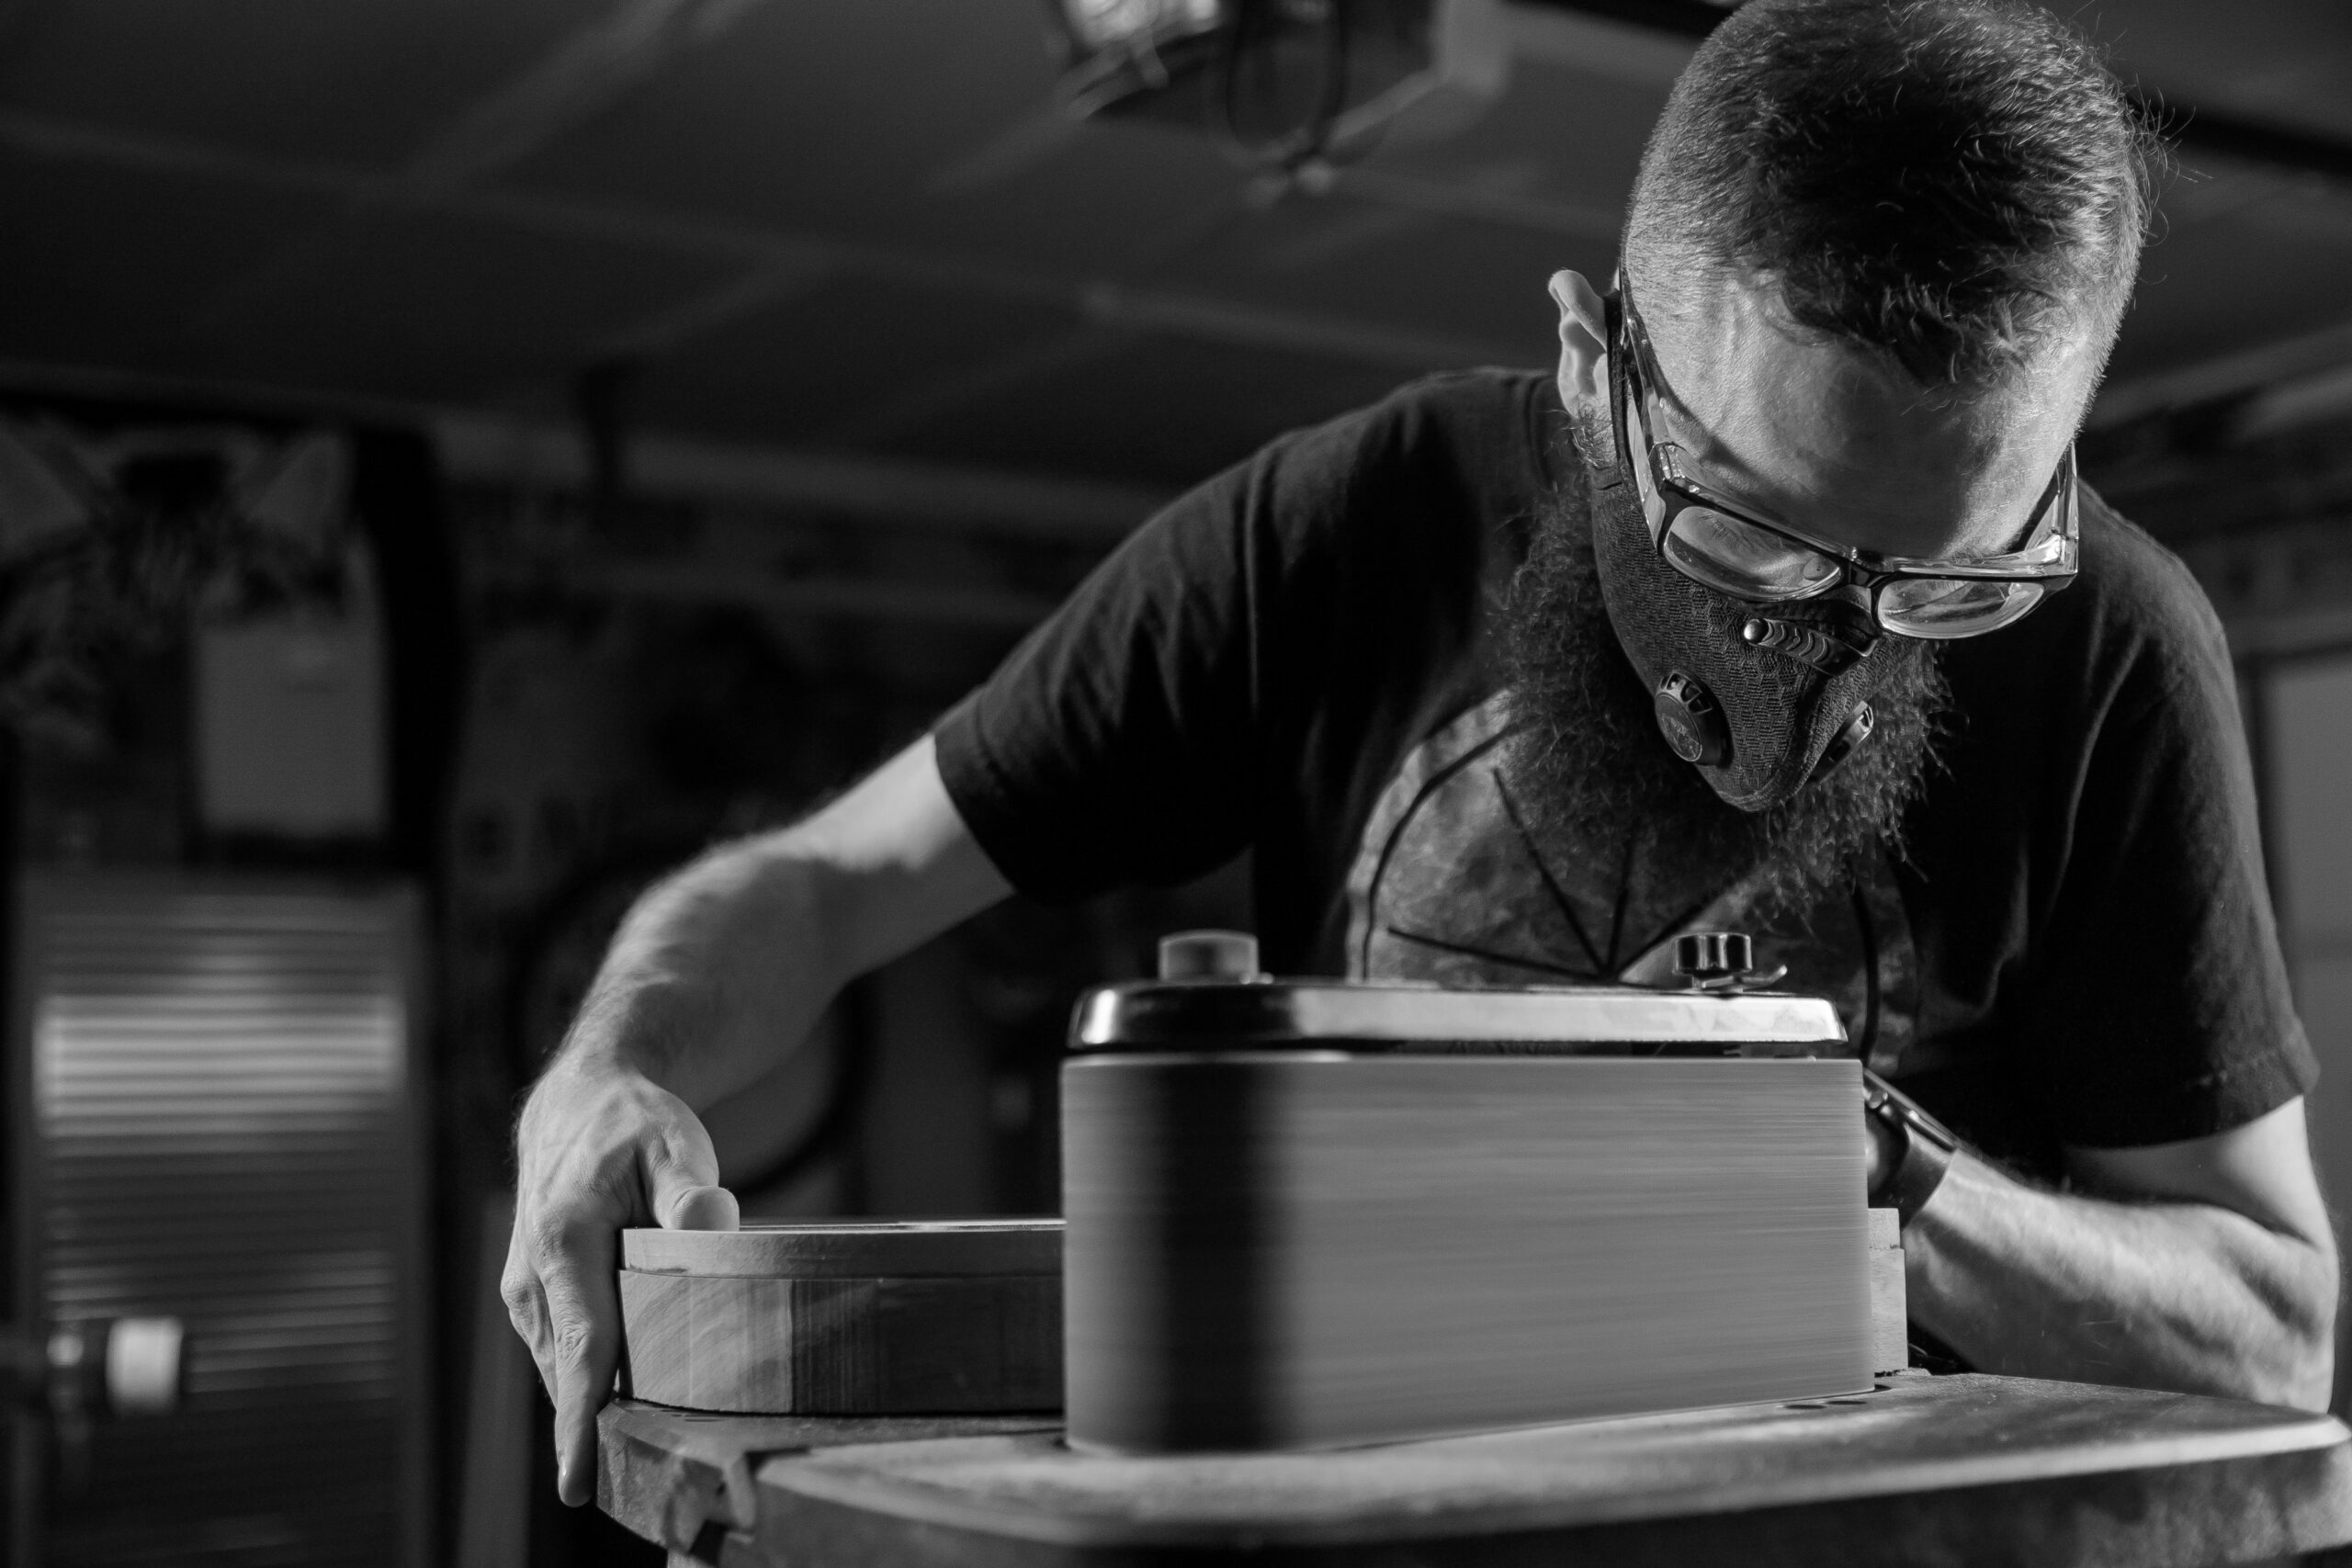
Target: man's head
{"points": [[1881, 248]]}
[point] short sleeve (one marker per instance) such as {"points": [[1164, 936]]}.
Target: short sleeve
{"points": [[2159, 1008], [1246, 669], [1124, 741]]}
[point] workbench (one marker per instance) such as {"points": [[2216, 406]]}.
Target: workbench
{"points": [[1962, 1470]]}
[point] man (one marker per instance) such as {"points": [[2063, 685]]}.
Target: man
{"points": [[1778, 608]]}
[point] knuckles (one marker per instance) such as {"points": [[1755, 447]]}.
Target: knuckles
{"points": [[522, 1298]]}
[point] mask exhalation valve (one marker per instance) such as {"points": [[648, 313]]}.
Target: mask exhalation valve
{"points": [[1691, 721]]}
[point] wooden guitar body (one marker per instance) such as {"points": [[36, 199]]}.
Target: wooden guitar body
{"points": [[848, 1318]]}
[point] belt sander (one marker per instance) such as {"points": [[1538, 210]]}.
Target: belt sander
{"points": [[1311, 1213]]}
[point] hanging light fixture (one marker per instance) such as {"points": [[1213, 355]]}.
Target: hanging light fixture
{"points": [[1285, 81]]}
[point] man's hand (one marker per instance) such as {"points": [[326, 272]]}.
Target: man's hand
{"points": [[600, 1147], [719, 970]]}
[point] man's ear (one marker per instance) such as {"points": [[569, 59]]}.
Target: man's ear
{"points": [[1584, 347]]}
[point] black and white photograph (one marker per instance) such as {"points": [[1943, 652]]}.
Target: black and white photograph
{"points": [[1175, 784]]}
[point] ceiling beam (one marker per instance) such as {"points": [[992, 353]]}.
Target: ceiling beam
{"points": [[763, 285], [976, 607], [1693, 20], [587, 72], [486, 446], [481, 447], [940, 397], [1478, 203], [2265, 143], [2286, 362], [1597, 43], [1210, 320]]}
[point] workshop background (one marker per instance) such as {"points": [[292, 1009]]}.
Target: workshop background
{"points": [[457, 458]]}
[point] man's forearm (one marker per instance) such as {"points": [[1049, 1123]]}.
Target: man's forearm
{"points": [[726, 964], [720, 968], [2176, 1295]]}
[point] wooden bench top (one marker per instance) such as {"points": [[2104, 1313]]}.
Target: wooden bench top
{"points": [[1969, 1469]]}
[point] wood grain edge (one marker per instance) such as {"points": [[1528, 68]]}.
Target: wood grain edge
{"points": [[907, 1251], [978, 1344]]}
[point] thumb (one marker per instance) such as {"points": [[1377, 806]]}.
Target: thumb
{"points": [[681, 1184], [700, 1209]]}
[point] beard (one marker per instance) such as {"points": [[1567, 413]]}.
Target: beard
{"points": [[1592, 773]]}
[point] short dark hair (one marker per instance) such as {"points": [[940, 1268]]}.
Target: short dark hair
{"points": [[1943, 181]]}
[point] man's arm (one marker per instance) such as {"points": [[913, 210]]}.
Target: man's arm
{"points": [[716, 973], [2206, 1265]]}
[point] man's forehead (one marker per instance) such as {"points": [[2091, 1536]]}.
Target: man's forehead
{"points": [[1831, 436], [1737, 336]]}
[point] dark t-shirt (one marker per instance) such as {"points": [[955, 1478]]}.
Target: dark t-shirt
{"points": [[1299, 657]]}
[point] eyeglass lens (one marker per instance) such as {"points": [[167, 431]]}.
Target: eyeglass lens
{"points": [[1724, 552], [1733, 557], [1953, 606]]}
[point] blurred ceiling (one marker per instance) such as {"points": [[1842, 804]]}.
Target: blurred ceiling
{"points": [[861, 233]]}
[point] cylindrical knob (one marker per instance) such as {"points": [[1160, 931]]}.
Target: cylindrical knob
{"points": [[143, 1370], [1208, 955], [1712, 955]]}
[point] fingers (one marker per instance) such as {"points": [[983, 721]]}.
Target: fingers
{"points": [[584, 1345], [526, 1307], [559, 1296]]}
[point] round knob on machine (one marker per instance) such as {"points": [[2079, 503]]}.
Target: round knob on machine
{"points": [[144, 1371], [1209, 956], [124, 1366], [1712, 957]]}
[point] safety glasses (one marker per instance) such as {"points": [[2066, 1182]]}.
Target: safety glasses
{"points": [[1715, 543]]}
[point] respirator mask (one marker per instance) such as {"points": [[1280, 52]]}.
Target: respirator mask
{"points": [[1761, 646]]}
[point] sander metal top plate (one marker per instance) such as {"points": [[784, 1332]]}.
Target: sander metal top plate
{"points": [[850, 1249], [1620, 1020]]}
